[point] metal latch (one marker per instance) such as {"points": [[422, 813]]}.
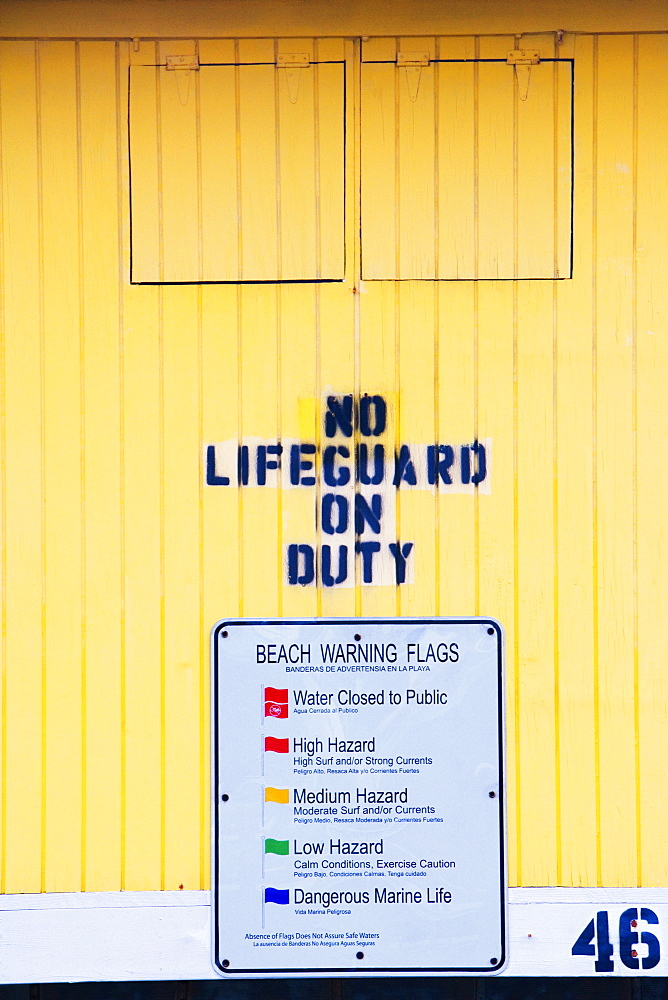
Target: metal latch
{"points": [[182, 62], [184, 65], [413, 63], [293, 63], [523, 60]]}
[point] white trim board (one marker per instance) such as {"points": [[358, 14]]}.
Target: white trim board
{"points": [[112, 936]]}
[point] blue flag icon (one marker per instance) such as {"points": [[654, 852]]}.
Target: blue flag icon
{"points": [[281, 896]]}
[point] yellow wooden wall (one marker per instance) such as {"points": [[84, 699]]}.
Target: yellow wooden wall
{"points": [[117, 558]]}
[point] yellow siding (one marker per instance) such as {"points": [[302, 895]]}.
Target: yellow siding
{"points": [[117, 557], [650, 417]]}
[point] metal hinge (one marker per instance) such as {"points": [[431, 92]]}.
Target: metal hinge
{"points": [[293, 60], [185, 65], [182, 62], [523, 60], [523, 57], [412, 58], [293, 63], [413, 63]]}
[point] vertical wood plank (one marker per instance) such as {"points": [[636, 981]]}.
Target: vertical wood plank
{"points": [[457, 569], [496, 554], [494, 169], [564, 120], [221, 538], [101, 466], [221, 378], [298, 416], [62, 428], [536, 208], [379, 169], [416, 153], [257, 151], [182, 469], [535, 595], [22, 292], [417, 507], [339, 318], [652, 416], [330, 123], [142, 587], [296, 171], [178, 180], [456, 163], [614, 350], [574, 637], [144, 176], [379, 372], [218, 166], [336, 375], [262, 566]]}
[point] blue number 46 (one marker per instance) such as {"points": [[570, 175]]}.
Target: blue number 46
{"points": [[595, 940]]}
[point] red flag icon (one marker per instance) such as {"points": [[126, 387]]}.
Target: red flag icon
{"points": [[276, 703], [276, 745]]}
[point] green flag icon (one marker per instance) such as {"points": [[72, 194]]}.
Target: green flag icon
{"points": [[276, 846]]}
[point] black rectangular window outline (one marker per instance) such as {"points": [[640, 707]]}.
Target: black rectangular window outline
{"points": [[250, 281], [565, 277]]}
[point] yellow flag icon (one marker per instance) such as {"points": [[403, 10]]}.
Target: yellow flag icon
{"points": [[276, 794]]}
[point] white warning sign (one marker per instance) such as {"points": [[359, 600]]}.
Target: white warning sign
{"points": [[358, 797]]}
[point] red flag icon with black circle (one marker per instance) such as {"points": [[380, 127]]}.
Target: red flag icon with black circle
{"points": [[276, 703]]}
